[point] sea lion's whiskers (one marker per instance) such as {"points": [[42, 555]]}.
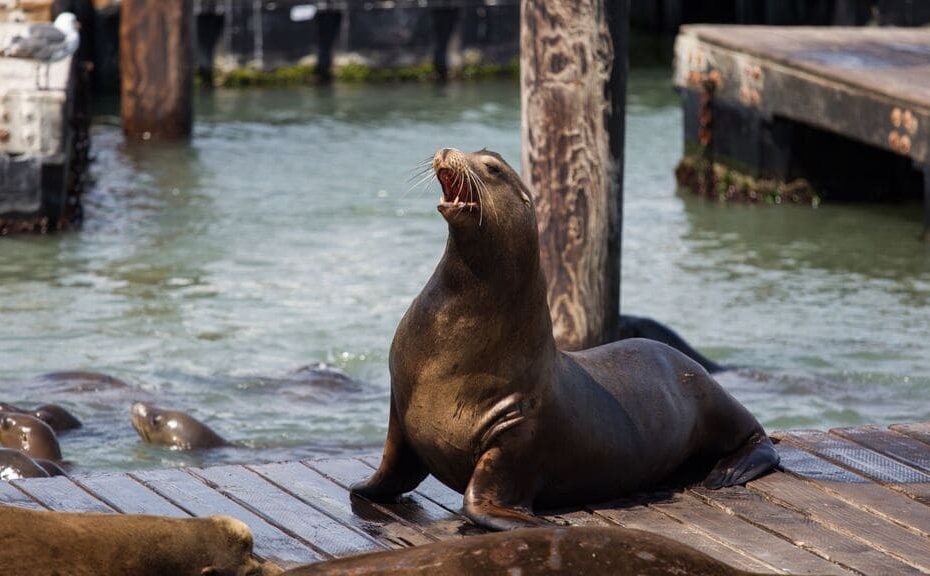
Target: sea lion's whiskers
{"points": [[473, 189], [483, 195], [424, 179]]}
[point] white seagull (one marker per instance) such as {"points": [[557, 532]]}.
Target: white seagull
{"points": [[46, 43]]}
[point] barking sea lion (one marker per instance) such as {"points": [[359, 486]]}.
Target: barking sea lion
{"points": [[482, 399]]}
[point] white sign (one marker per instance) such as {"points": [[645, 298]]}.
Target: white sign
{"points": [[303, 12]]}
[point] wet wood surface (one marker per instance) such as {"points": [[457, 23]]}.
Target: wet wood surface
{"points": [[867, 84], [847, 501]]}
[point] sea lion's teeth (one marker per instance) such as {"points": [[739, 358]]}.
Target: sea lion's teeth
{"points": [[456, 199]]}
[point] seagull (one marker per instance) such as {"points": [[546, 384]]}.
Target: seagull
{"points": [[46, 43]]}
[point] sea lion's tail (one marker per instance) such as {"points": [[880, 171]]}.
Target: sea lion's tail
{"points": [[753, 459]]}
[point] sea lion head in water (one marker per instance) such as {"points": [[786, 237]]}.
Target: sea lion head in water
{"points": [[482, 399], [172, 428], [57, 417], [30, 435]]}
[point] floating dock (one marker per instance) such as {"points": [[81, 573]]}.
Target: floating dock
{"points": [[848, 501], [43, 140], [845, 108]]}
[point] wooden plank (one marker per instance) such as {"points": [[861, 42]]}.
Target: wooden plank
{"points": [[327, 496], [287, 512], [855, 489], [61, 494], [902, 448], [640, 517], [917, 431], [803, 531], [127, 495], [197, 498], [413, 508], [739, 534], [871, 464], [10, 496], [846, 519]]}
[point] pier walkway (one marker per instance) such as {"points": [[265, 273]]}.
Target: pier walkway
{"points": [[849, 501]]}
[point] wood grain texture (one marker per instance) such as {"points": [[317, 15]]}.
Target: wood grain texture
{"points": [[413, 508], [10, 496], [61, 494], [156, 68], [127, 495], [855, 489], [324, 494], [287, 512], [917, 430], [904, 449], [803, 531], [573, 85], [199, 499]]}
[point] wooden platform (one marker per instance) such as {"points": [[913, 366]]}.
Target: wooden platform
{"points": [[867, 85], [851, 501]]}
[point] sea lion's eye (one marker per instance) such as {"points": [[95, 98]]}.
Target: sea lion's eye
{"points": [[156, 420], [6, 424], [493, 168]]}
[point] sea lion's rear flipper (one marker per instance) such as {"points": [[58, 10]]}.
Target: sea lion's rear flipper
{"points": [[756, 457], [496, 498]]}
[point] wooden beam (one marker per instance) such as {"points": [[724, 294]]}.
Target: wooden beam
{"points": [[573, 68], [156, 68]]}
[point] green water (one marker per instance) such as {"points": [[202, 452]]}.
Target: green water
{"points": [[284, 234]]}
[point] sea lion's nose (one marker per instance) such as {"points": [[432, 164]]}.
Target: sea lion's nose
{"points": [[444, 157]]}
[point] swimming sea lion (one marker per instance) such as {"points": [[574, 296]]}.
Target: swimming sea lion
{"points": [[541, 552], [482, 399], [82, 381], [14, 465], [57, 417], [125, 545], [173, 428], [30, 435]]}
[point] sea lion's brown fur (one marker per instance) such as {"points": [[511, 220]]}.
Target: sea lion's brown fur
{"points": [[30, 435], [482, 399], [173, 428], [589, 551], [41, 543]]}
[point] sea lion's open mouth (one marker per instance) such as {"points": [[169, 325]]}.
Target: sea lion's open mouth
{"points": [[456, 191]]}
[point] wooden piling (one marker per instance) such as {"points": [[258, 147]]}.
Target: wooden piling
{"points": [[926, 234], [443, 21], [573, 78], [329, 23], [156, 68]]}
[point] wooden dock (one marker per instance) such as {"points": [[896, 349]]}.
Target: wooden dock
{"points": [[767, 100], [849, 501]]}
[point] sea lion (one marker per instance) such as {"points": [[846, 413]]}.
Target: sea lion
{"points": [[14, 465], [641, 327], [173, 428], [541, 552], [30, 435], [57, 417], [42, 543], [482, 399], [82, 381]]}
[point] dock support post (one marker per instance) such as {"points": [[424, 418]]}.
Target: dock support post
{"points": [[156, 68], [573, 71], [329, 23], [926, 234], [442, 22]]}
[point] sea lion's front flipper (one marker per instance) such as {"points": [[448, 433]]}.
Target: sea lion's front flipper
{"points": [[401, 469], [499, 497], [753, 459]]}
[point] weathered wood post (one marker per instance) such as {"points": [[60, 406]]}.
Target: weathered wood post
{"points": [[156, 68], [442, 24], [926, 234], [328, 23], [573, 69]]}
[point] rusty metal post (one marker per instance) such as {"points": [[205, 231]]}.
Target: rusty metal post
{"points": [[156, 68]]}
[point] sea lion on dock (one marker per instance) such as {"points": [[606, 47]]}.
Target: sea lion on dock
{"points": [[29, 435], [542, 552], [41, 543], [173, 428], [482, 399]]}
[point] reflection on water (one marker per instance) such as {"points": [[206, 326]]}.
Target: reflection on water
{"points": [[285, 233]]}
